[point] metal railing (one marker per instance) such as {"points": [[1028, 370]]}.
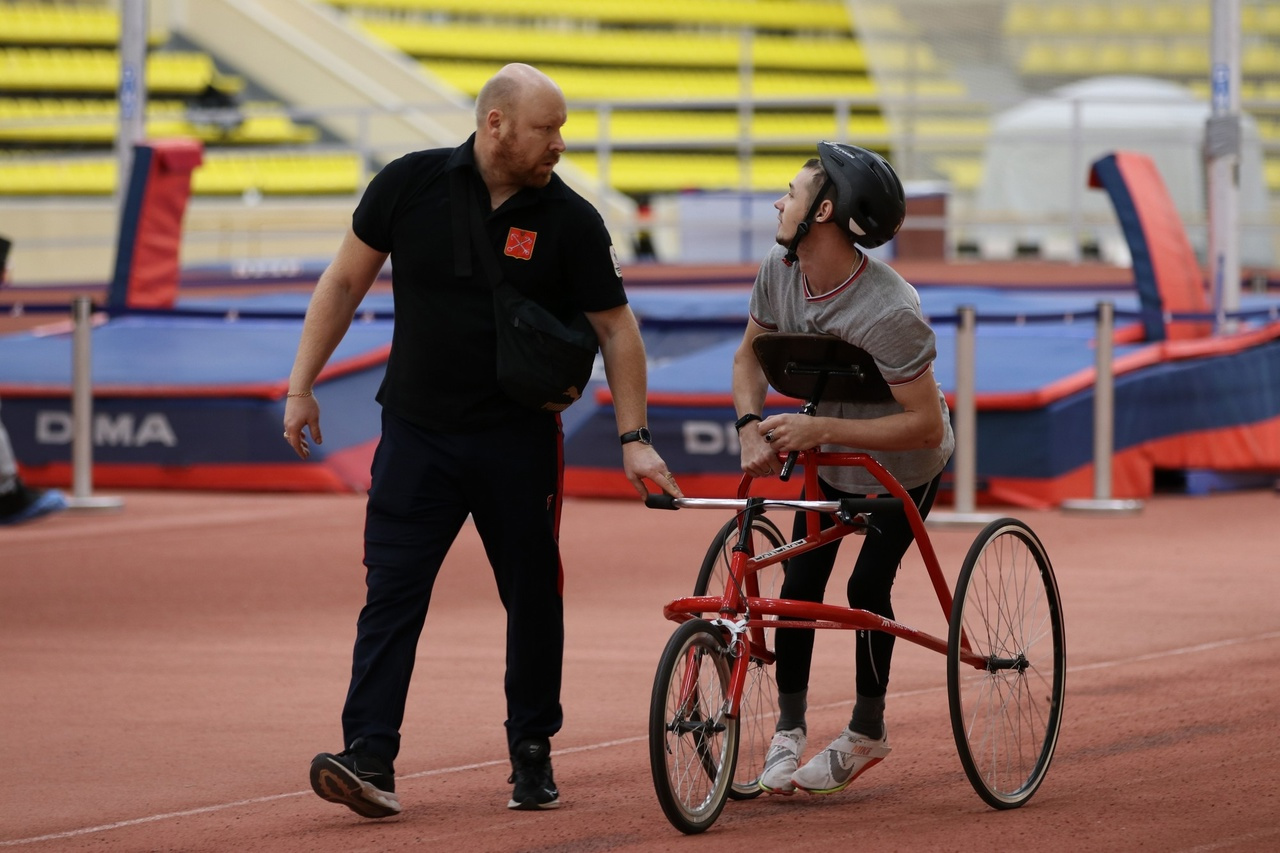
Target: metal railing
{"points": [[1082, 217]]}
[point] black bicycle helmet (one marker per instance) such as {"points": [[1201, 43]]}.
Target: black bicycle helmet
{"points": [[869, 201]]}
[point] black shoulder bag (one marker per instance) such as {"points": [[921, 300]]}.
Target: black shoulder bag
{"points": [[542, 363]]}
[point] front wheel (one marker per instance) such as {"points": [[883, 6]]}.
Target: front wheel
{"points": [[693, 743], [1006, 664]]}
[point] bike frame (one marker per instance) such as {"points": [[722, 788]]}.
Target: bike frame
{"points": [[745, 615]]}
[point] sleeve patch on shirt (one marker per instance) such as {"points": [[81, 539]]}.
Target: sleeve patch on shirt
{"points": [[520, 244], [617, 267]]}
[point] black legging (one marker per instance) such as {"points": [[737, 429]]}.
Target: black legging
{"points": [[870, 587]]}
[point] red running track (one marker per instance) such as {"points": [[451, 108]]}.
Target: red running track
{"points": [[167, 672]]}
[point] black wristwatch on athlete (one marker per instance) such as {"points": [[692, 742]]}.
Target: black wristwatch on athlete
{"points": [[641, 435], [746, 419]]}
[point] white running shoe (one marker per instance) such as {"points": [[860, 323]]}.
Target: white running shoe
{"points": [[784, 754], [831, 770]]}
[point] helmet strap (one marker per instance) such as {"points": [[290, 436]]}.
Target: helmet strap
{"points": [[803, 228]]}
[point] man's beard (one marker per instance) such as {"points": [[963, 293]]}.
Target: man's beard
{"points": [[781, 239], [509, 160]]}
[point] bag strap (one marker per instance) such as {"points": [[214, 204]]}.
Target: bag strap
{"points": [[468, 228]]}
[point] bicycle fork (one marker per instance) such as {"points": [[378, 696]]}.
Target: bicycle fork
{"points": [[735, 648]]}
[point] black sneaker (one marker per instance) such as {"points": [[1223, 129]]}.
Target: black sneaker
{"points": [[359, 780], [531, 772]]}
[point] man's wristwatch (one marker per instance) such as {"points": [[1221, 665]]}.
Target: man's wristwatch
{"points": [[746, 419], [641, 435]]}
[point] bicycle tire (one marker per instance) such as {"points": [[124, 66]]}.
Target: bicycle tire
{"points": [[693, 743], [1006, 715]]}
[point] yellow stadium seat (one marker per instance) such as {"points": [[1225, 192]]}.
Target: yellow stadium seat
{"points": [[831, 15], [1057, 19], [40, 24], [76, 177], [615, 48], [1148, 57], [1021, 19], [1114, 57], [1269, 19], [54, 121], [955, 131], [1261, 59], [767, 129], [1187, 57], [221, 174], [1038, 57], [1129, 20], [621, 84], [1057, 57], [1198, 18], [92, 70], [1093, 19], [650, 172], [65, 24], [963, 173]]}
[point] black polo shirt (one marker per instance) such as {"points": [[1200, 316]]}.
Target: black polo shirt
{"points": [[550, 242]]}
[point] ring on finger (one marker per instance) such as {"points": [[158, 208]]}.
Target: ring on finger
{"points": [[768, 436]]}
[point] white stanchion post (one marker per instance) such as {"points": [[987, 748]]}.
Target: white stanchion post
{"points": [[131, 94], [1222, 163], [964, 461], [1104, 418], [82, 411], [81, 398]]}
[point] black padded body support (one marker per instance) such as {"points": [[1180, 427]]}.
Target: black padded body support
{"points": [[800, 365]]}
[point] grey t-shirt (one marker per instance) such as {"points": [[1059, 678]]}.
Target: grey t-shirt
{"points": [[877, 311]]}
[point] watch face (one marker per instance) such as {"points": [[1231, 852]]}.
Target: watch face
{"points": [[645, 436]]}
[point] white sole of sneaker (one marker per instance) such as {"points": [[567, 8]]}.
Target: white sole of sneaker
{"points": [[530, 806], [837, 789]]}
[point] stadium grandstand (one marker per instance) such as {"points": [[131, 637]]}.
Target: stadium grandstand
{"points": [[297, 102], [1055, 153]]}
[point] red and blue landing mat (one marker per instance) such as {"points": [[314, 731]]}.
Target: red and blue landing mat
{"points": [[193, 402], [1209, 404], [194, 398]]}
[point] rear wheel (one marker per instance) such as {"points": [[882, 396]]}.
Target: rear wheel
{"points": [[1006, 707], [693, 744], [759, 705]]}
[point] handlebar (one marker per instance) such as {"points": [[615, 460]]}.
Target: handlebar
{"points": [[852, 506]]}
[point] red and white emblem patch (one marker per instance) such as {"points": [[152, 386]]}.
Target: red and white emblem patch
{"points": [[520, 243]]}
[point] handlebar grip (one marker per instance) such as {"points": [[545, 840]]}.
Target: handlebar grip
{"points": [[788, 466], [662, 500]]}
